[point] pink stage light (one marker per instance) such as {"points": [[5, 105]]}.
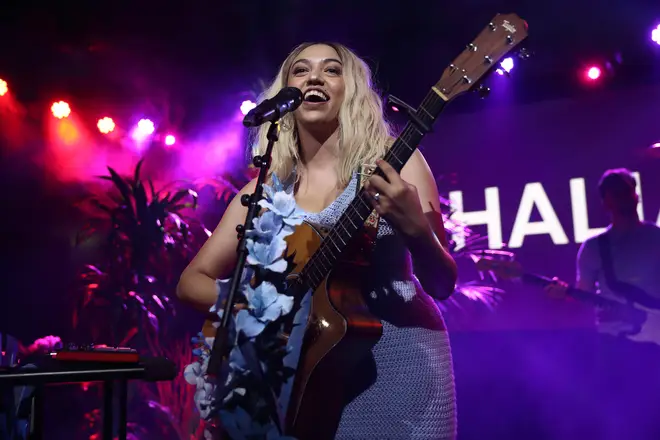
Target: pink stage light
{"points": [[593, 73], [60, 109], [246, 106], [505, 66], [144, 128], [656, 145], [170, 140], [4, 88], [106, 125], [655, 35]]}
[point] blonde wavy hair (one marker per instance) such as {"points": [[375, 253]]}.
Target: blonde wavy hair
{"points": [[364, 133]]}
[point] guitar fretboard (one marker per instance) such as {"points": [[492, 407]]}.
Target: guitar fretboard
{"points": [[353, 218], [579, 294]]}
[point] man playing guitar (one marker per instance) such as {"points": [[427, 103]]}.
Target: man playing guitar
{"points": [[623, 263]]}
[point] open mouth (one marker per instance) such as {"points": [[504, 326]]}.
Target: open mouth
{"points": [[315, 96]]}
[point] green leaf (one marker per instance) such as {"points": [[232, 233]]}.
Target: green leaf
{"points": [[123, 188], [154, 194], [138, 167], [141, 204]]}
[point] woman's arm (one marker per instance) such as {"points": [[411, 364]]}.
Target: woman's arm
{"points": [[217, 258], [434, 265], [412, 203]]}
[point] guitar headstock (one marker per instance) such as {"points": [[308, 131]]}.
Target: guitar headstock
{"points": [[503, 33], [502, 268]]}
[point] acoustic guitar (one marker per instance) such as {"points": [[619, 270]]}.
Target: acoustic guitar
{"points": [[641, 323], [340, 330]]}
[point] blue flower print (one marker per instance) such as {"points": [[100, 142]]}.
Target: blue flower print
{"points": [[248, 324], [222, 289], [284, 205], [266, 304], [277, 186], [204, 399], [268, 255], [266, 227]]}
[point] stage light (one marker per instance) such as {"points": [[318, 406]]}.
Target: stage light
{"points": [[246, 106], [144, 128], [593, 73], [106, 125], [505, 66], [656, 145], [655, 35], [60, 109], [4, 88], [170, 140]]}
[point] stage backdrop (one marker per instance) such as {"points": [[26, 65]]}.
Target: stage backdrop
{"points": [[527, 176]]}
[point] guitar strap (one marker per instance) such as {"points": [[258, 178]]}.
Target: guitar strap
{"points": [[606, 261]]}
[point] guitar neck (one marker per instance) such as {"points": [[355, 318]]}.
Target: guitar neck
{"points": [[353, 218], [578, 294]]}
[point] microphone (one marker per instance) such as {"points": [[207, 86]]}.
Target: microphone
{"points": [[287, 100]]}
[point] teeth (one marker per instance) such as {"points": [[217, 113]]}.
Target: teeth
{"points": [[316, 93]]}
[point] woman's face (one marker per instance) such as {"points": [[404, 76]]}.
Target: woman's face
{"points": [[318, 73]]}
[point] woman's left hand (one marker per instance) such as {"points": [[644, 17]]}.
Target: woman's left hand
{"points": [[397, 201]]}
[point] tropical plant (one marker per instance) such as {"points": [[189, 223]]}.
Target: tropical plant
{"points": [[144, 238], [148, 236], [483, 290]]}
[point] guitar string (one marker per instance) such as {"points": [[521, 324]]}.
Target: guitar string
{"points": [[314, 273]]}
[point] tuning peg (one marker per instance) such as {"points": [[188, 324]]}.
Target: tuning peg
{"points": [[525, 54], [482, 91]]}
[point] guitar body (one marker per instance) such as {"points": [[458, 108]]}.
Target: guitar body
{"points": [[340, 333]]}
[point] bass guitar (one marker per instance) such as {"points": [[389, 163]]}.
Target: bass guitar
{"points": [[640, 323], [340, 330]]}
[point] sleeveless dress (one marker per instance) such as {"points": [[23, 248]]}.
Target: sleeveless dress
{"points": [[405, 390]]}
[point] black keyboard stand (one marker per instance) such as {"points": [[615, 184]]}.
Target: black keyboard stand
{"points": [[111, 374]]}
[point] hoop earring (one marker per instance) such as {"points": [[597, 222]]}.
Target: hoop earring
{"points": [[286, 125]]}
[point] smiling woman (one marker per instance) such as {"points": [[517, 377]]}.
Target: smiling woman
{"points": [[401, 386]]}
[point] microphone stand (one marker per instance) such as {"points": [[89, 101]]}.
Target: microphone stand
{"points": [[220, 343]]}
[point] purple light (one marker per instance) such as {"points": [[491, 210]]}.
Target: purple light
{"points": [[506, 66], [656, 145], [655, 34], [170, 140], [144, 128], [246, 106]]}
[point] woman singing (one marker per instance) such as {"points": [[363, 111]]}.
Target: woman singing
{"points": [[406, 389]]}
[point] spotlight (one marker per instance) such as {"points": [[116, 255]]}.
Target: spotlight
{"points": [[593, 73], [655, 35], [246, 106], [4, 88], [170, 140], [106, 125], [505, 66], [60, 109], [144, 128], [656, 145]]}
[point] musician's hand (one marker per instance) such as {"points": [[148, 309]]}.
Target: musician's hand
{"points": [[608, 314], [397, 201], [557, 289]]}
